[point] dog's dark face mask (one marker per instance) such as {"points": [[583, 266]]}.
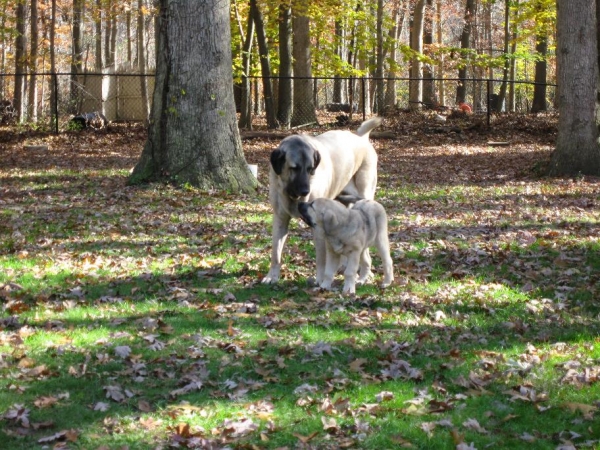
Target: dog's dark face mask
{"points": [[295, 162], [307, 213]]}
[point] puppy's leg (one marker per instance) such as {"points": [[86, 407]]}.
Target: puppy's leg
{"points": [[383, 248], [365, 267], [332, 262], [280, 231], [350, 273]]}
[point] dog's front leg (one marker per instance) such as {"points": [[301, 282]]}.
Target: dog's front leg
{"points": [[281, 225], [321, 255]]}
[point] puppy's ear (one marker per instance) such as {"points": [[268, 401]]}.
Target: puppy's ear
{"points": [[317, 159], [330, 220], [278, 160]]}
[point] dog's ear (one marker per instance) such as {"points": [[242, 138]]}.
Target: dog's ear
{"points": [[278, 160], [317, 159]]}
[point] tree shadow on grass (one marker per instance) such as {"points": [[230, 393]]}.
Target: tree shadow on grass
{"points": [[294, 337]]}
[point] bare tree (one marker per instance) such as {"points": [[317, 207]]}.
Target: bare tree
{"points": [[246, 100], [141, 57], [193, 135], [33, 56], [416, 45], [284, 97], [465, 45], [19, 59], [265, 64], [577, 148], [304, 106]]}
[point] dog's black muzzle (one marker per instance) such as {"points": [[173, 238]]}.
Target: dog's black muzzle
{"points": [[303, 208]]}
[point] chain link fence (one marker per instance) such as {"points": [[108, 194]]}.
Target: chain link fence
{"points": [[53, 100]]}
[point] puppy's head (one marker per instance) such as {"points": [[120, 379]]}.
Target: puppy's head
{"points": [[322, 212]]}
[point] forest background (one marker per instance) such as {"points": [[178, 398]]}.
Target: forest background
{"points": [[459, 41]]}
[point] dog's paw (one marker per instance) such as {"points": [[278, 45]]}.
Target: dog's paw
{"points": [[351, 291], [386, 282], [362, 279], [271, 278], [325, 285]]}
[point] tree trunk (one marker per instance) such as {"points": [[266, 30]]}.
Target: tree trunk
{"points": [[33, 55], [113, 39], [429, 98], [141, 58], [304, 107], [246, 101], [539, 89], [19, 59], [416, 67], [395, 31], [338, 85], [98, 37], [193, 135], [598, 60], [577, 148], [506, 67], [379, 82], [265, 65], [53, 98], [440, 42], [512, 92], [284, 97], [465, 45], [77, 44]]}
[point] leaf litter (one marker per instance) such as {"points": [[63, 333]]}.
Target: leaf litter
{"points": [[497, 272]]}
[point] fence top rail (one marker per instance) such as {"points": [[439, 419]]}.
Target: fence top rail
{"points": [[63, 74], [275, 77]]}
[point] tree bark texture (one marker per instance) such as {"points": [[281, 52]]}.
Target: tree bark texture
{"points": [[541, 69], [577, 150], [416, 67], [304, 107], [465, 44], [193, 136], [245, 85], [284, 97], [19, 59], [265, 64]]}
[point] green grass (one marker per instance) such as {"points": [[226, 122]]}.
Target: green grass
{"points": [[493, 320]]}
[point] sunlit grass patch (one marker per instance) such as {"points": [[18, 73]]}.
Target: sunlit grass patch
{"points": [[132, 312]]}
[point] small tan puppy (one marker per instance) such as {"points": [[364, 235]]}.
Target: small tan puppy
{"points": [[349, 232]]}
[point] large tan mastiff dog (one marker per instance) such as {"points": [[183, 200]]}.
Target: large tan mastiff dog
{"points": [[304, 168], [349, 232]]}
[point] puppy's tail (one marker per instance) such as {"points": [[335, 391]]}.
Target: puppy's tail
{"points": [[368, 126]]}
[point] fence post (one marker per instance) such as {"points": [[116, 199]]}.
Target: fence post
{"points": [[364, 97], [55, 105], [489, 113]]}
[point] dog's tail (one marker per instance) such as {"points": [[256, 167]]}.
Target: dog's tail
{"points": [[368, 126]]}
